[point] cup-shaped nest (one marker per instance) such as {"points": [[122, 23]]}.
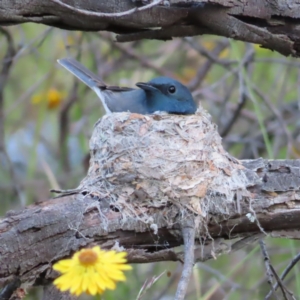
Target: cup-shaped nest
{"points": [[161, 160]]}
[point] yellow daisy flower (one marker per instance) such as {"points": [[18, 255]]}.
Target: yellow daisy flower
{"points": [[91, 271]]}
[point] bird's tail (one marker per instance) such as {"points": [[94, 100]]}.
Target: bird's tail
{"points": [[82, 73], [87, 77]]}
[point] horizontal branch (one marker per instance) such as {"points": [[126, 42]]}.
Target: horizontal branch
{"points": [[32, 239], [148, 175], [274, 25]]}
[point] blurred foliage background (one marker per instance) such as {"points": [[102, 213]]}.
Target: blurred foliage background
{"points": [[47, 117]]}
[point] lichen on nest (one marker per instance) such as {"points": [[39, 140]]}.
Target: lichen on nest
{"points": [[142, 161]]}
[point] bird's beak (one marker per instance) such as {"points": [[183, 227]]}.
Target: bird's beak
{"points": [[146, 86]]}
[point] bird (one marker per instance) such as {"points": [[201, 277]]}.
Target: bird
{"points": [[161, 94]]}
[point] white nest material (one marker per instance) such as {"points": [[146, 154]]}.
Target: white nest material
{"points": [[159, 160]]}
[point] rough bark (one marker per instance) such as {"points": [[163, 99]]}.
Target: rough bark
{"points": [[32, 239], [272, 24]]}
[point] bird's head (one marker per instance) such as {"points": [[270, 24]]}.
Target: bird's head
{"points": [[167, 94]]}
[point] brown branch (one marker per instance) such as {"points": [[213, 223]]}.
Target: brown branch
{"points": [[57, 227], [272, 25]]}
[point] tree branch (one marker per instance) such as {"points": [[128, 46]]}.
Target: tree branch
{"points": [[148, 228], [273, 25]]}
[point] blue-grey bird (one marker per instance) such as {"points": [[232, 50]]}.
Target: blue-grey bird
{"points": [[159, 94]]}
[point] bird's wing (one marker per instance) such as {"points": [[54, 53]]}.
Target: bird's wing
{"points": [[133, 100]]}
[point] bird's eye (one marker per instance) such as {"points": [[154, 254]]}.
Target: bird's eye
{"points": [[172, 89]]}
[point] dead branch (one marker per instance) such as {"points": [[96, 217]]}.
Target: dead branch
{"points": [[272, 24]]}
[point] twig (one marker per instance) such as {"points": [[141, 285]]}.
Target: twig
{"points": [[111, 15], [131, 53], [64, 127], [222, 80], [163, 291], [202, 72], [245, 113], [103, 64], [267, 264], [278, 116], [30, 45], [26, 94], [242, 94], [224, 279], [7, 62], [188, 233], [281, 285], [290, 266], [236, 113], [209, 54], [64, 121], [249, 240], [147, 285]]}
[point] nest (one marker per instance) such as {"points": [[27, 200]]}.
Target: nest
{"points": [[158, 161]]}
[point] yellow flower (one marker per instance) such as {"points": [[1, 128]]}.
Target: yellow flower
{"points": [[52, 96], [91, 271]]}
